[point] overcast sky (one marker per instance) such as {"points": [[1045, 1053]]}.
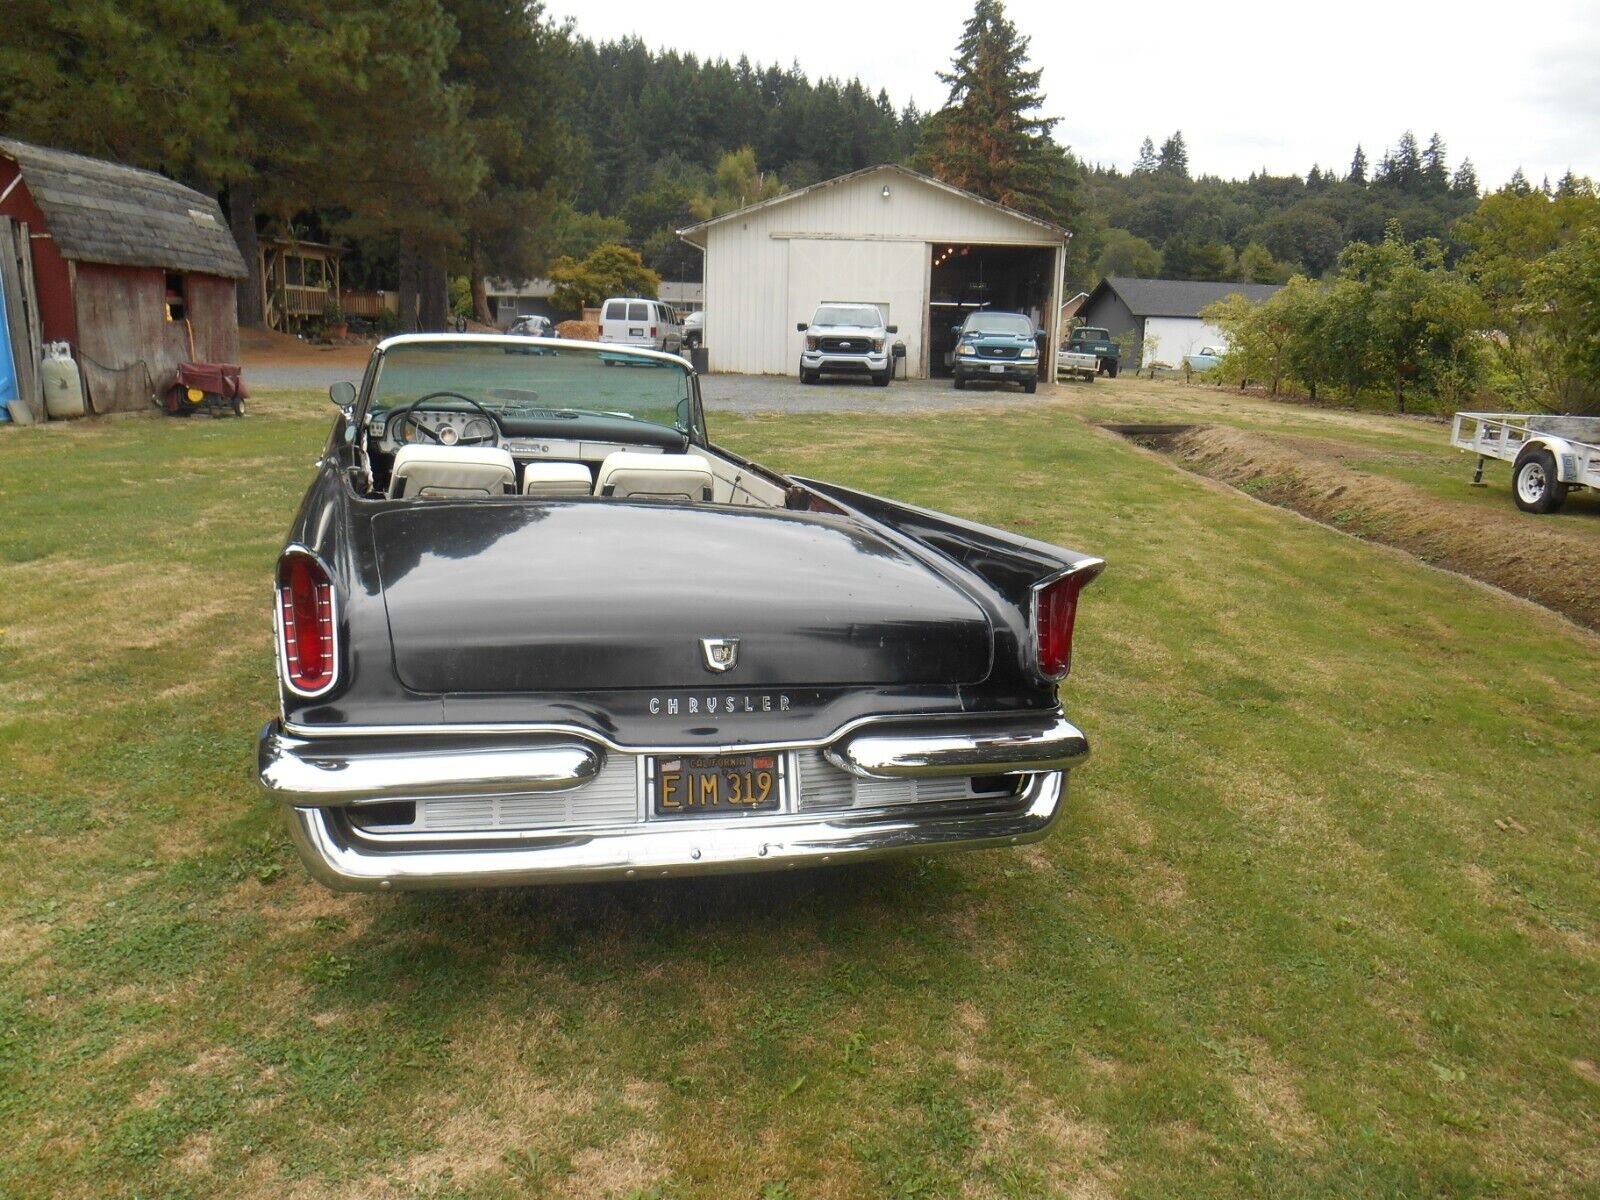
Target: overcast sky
{"points": [[1278, 85]]}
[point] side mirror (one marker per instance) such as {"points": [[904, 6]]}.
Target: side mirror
{"points": [[343, 394], [801, 327], [956, 330], [680, 415], [891, 329], [1038, 333]]}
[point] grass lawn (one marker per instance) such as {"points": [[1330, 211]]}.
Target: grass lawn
{"points": [[1322, 919], [1411, 450]]}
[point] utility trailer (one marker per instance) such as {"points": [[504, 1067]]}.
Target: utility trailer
{"points": [[1550, 454]]}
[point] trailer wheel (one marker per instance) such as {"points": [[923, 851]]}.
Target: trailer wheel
{"points": [[1534, 482], [1112, 370]]}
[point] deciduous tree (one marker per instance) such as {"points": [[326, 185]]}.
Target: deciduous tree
{"points": [[609, 270]]}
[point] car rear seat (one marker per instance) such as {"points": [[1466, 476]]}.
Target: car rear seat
{"points": [[629, 475], [443, 472], [557, 479]]}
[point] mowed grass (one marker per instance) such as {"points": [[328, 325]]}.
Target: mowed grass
{"points": [[1321, 919], [1411, 450]]}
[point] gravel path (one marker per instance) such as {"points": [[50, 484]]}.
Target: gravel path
{"points": [[736, 393]]}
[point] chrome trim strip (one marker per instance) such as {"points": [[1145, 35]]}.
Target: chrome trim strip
{"points": [[298, 777], [1053, 744], [673, 849]]}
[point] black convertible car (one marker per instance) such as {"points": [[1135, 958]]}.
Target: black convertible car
{"points": [[532, 625]]}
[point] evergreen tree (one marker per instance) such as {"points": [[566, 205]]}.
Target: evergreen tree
{"points": [[1518, 184], [1465, 181], [1401, 168], [988, 137], [508, 59], [1358, 167], [1574, 185], [1435, 171], [1174, 158], [1147, 160]]}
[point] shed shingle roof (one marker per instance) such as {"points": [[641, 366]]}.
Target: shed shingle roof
{"points": [[1179, 297], [104, 212]]}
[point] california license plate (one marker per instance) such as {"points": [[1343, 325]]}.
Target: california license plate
{"points": [[997, 368], [694, 786]]}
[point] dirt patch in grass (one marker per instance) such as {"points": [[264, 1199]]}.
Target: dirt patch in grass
{"points": [[1528, 556]]}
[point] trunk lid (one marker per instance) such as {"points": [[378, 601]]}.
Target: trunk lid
{"points": [[600, 594]]}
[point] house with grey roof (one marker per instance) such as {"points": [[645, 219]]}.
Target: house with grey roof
{"points": [[136, 272], [1163, 315]]}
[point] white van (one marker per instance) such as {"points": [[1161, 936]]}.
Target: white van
{"points": [[632, 321]]}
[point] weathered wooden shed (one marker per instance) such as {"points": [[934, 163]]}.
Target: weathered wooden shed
{"points": [[132, 269]]}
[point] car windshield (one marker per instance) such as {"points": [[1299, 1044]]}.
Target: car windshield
{"points": [[515, 379], [847, 314], [1089, 334], [1000, 323]]}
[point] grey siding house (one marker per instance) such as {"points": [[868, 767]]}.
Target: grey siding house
{"points": [[1163, 315]]}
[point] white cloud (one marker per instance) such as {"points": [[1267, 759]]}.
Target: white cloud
{"points": [[1251, 85]]}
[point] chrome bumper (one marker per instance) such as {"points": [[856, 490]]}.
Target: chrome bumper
{"points": [[320, 779]]}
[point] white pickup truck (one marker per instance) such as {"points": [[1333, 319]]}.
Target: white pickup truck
{"points": [[1550, 454], [1070, 364]]}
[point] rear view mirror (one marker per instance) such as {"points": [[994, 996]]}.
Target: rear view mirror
{"points": [[892, 328], [801, 327], [343, 394]]}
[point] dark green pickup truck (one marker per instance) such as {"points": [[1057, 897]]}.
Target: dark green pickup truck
{"points": [[1089, 340]]}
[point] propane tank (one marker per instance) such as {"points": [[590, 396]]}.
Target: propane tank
{"points": [[63, 388]]}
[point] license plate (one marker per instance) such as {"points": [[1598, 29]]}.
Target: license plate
{"points": [[693, 786], [997, 368], [635, 333]]}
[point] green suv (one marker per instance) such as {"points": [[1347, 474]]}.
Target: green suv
{"points": [[999, 346]]}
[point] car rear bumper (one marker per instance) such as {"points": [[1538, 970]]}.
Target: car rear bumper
{"points": [[325, 783]]}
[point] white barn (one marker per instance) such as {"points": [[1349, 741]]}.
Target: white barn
{"points": [[925, 252]]}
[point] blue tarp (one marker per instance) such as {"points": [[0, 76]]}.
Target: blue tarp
{"points": [[8, 370]]}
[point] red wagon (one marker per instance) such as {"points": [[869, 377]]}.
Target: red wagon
{"points": [[217, 388]]}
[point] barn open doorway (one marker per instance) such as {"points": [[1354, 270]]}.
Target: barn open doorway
{"points": [[965, 278]]}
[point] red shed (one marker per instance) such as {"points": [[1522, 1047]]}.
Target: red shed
{"points": [[133, 269]]}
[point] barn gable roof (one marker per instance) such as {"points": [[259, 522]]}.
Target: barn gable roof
{"points": [[104, 212], [1175, 297], [695, 234]]}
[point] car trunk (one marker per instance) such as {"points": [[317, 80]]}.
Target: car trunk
{"points": [[510, 597]]}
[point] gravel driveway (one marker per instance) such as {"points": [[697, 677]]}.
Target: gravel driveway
{"points": [[782, 393], [736, 393]]}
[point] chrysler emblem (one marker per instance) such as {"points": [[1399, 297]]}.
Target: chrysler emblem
{"points": [[721, 653]]}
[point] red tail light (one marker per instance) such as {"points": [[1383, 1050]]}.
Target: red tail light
{"points": [[1055, 608], [652, 331], [305, 611]]}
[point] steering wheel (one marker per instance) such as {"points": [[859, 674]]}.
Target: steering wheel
{"points": [[407, 416]]}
